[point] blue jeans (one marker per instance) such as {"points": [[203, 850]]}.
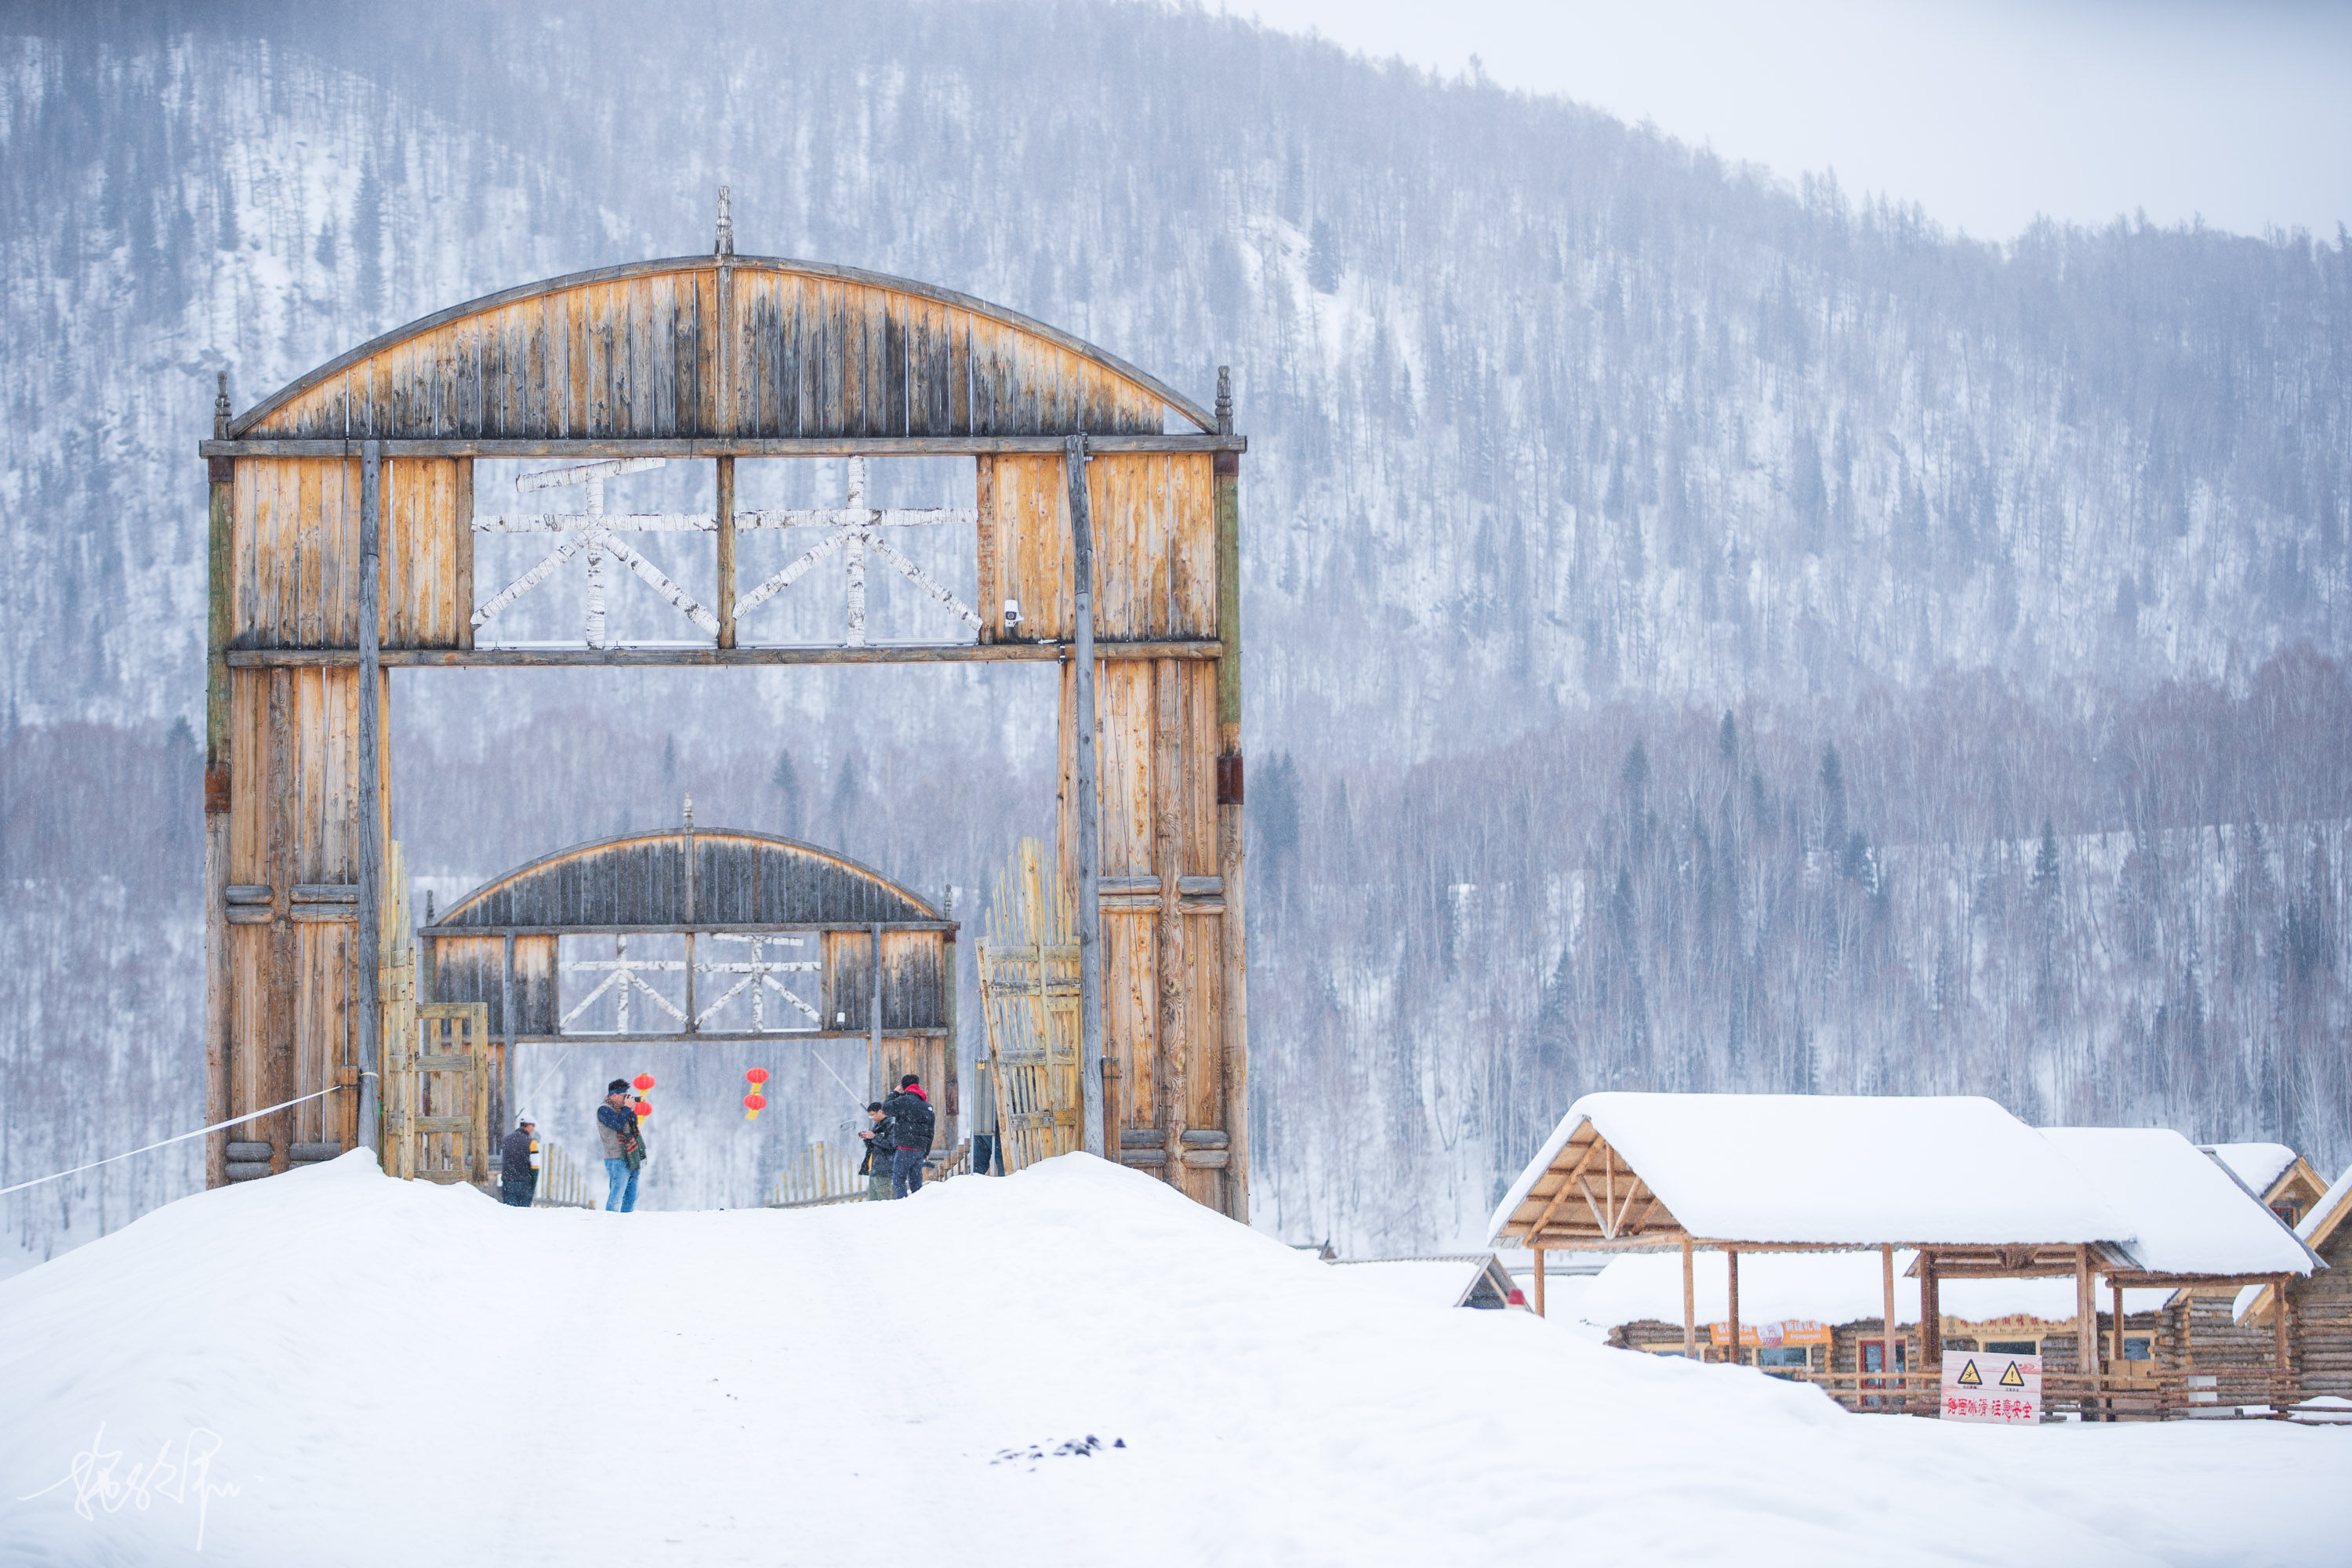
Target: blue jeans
{"points": [[624, 1194], [906, 1172]]}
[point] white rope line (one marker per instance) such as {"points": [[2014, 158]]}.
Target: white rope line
{"points": [[181, 1138]]}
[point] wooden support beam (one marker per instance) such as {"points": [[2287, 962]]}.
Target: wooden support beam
{"points": [[1931, 1314], [1567, 1185], [2281, 1356], [1167, 783], [704, 446], [1089, 829], [1886, 1284], [367, 1019], [282, 823], [700, 655], [1234, 932], [1731, 1265], [219, 627], [725, 593], [1540, 1280], [1690, 1306]]}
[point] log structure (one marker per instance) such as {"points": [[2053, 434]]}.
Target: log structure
{"points": [[344, 524]]}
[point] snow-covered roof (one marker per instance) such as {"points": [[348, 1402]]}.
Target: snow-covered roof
{"points": [[1818, 1287], [1430, 1281], [2257, 1165], [1839, 1170], [2317, 1227], [2186, 1212]]}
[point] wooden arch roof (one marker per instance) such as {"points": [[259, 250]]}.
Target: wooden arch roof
{"points": [[674, 880], [660, 350]]}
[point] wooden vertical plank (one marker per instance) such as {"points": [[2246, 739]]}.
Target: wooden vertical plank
{"points": [[725, 593], [220, 629], [986, 549], [1732, 1352], [462, 538], [1233, 1039], [1690, 1305], [1166, 777], [284, 818]]}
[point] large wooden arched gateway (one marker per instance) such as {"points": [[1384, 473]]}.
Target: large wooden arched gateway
{"points": [[343, 520]]}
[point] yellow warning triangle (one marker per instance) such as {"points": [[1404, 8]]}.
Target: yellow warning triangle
{"points": [[1969, 1378], [2011, 1378]]}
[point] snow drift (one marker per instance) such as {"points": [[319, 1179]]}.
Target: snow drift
{"points": [[329, 1366]]}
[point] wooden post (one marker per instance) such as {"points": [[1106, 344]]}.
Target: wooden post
{"points": [[462, 594], [218, 627], [1931, 1315], [1731, 1263], [726, 593], [2280, 1355], [1167, 922], [2087, 1326], [1690, 1306], [1540, 1280], [1231, 839], [507, 1031], [1886, 1357], [368, 1022], [1090, 1018], [873, 1074], [2116, 1345], [283, 823]]}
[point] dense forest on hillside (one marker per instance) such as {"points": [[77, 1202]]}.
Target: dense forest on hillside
{"points": [[2019, 570]]}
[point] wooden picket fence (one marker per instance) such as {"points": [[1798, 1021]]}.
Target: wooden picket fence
{"points": [[2224, 1394], [562, 1184]]}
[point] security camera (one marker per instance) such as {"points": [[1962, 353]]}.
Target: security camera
{"points": [[1012, 614]]}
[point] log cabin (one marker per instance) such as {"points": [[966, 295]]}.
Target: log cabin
{"points": [[2318, 1306]]}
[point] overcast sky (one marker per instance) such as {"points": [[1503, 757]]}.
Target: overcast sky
{"points": [[1984, 111]]}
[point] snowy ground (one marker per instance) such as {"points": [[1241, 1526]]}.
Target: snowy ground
{"points": [[371, 1371]]}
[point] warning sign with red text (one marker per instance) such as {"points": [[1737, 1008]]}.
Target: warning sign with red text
{"points": [[1999, 1390]]}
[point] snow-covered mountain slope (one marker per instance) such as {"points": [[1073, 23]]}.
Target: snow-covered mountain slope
{"points": [[371, 1371], [1565, 436]]}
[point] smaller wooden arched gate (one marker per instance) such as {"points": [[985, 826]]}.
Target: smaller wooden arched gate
{"points": [[780, 940]]}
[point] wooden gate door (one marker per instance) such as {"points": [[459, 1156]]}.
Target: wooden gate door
{"points": [[450, 1115], [1029, 1002]]}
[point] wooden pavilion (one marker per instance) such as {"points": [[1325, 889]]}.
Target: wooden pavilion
{"points": [[1968, 1190]]}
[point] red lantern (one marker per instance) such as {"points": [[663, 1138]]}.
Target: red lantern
{"points": [[644, 1081], [644, 1109], [756, 1075], [755, 1103]]}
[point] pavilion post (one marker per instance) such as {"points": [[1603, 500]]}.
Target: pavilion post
{"points": [[367, 972], [2116, 1345], [1931, 1314], [1540, 1280], [1731, 1264], [1886, 1347], [2086, 1327], [1690, 1306]]}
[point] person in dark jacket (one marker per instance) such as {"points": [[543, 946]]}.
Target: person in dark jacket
{"points": [[625, 1146], [519, 1165], [875, 1166], [911, 1121]]}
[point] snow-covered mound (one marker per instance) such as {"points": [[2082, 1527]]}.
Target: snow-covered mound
{"points": [[332, 1367]]}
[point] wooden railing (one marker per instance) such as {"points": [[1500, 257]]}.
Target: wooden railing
{"points": [[825, 1174], [2222, 1394], [562, 1184]]}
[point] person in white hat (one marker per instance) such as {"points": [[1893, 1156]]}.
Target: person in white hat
{"points": [[519, 1165]]}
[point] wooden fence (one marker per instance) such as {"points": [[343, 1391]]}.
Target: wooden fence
{"points": [[562, 1184], [2224, 1394]]}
